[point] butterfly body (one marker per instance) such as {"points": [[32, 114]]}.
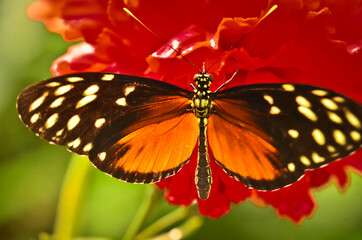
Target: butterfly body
{"points": [[142, 130], [202, 107]]}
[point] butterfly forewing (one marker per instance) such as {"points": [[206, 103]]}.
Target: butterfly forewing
{"points": [[96, 112], [267, 135]]}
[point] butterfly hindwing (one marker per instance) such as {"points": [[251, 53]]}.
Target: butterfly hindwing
{"points": [[95, 114], [267, 135]]}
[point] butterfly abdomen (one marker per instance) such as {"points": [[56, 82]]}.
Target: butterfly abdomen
{"points": [[203, 178]]}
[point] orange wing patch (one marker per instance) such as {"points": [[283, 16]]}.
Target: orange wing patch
{"points": [[152, 152], [243, 150]]}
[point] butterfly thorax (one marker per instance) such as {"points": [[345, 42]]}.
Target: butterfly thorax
{"points": [[202, 105], [201, 102]]}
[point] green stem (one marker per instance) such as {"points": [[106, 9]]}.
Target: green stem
{"points": [[70, 196], [163, 223], [150, 198], [183, 231]]}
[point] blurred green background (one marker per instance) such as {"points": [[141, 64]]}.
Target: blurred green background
{"points": [[32, 171]]}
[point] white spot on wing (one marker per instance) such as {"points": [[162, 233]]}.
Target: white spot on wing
{"points": [[52, 84], [99, 122], [316, 158], [291, 167], [269, 99], [57, 102], [293, 133], [39, 101], [308, 113], [274, 110], [288, 87], [91, 90], [121, 101], [51, 120], [338, 99], [73, 122], [60, 132], [108, 77], [87, 147], [34, 118], [356, 136], [75, 143], [85, 100], [318, 136], [74, 79], [304, 160], [63, 89], [129, 89], [352, 119], [328, 103], [334, 117], [339, 137], [102, 156], [302, 101], [331, 149], [319, 92]]}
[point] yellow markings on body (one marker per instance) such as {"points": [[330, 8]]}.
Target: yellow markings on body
{"points": [[328, 103], [356, 136], [121, 101], [352, 119], [204, 103], [57, 102], [293, 133], [91, 90], [60, 132], [53, 84], [331, 149], [318, 136], [34, 118], [39, 101], [319, 92], [197, 102], [291, 167], [75, 143], [288, 87], [304, 160], [274, 110], [128, 90], [108, 77], [334, 117], [269, 99], [339, 137], [102, 156], [74, 79], [99, 122], [85, 100], [73, 122], [51, 120], [63, 89], [316, 158], [87, 147], [308, 113], [302, 101], [338, 99]]}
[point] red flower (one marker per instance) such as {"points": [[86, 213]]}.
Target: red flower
{"points": [[314, 42]]}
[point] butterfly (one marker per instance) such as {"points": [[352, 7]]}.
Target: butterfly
{"points": [[142, 130]]}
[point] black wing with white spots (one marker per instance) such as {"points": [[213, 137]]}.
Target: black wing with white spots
{"points": [[73, 109], [267, 135]]}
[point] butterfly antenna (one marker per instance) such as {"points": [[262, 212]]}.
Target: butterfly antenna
{"points": [[224, 84], [144, 25], [243, 36]]}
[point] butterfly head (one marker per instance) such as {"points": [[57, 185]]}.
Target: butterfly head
{"points": [[203, 81]]}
